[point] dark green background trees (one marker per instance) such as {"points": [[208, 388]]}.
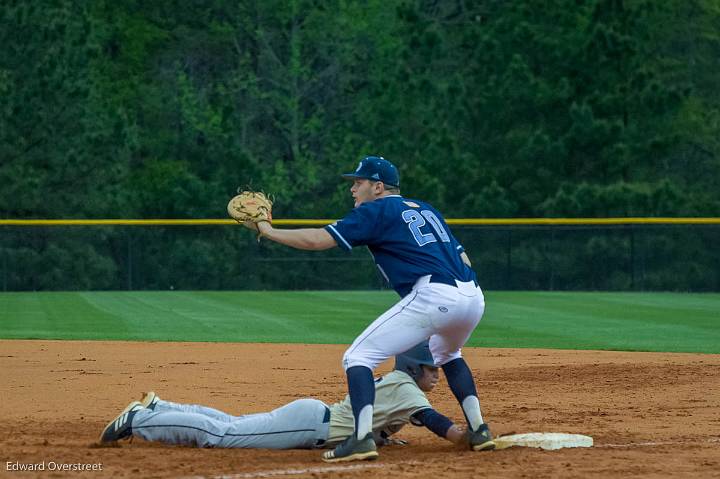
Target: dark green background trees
{"points": [[490, 109]]}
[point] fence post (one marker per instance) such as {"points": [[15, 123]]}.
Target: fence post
{"points": [[551, 257], [632, 257], [129, 260], [5, 268], [508, 262]]}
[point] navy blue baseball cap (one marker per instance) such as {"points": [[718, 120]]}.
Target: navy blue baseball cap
{"points": [[376, 168]]}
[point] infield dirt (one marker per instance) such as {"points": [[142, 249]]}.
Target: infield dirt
{"points": [[651, 414]]}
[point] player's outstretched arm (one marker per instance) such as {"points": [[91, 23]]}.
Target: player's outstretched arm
{"points": [[440, 425], [314, 239]]}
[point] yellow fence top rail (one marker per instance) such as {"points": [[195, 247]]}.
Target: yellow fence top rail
{"points": [[321, 222]]}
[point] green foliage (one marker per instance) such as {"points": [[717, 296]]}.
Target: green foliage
{"points": [[490, 109]]}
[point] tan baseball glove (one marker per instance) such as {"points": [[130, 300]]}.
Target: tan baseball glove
{"points": [[250, 208]]}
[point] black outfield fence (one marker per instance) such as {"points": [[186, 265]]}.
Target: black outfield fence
{"points": [[621, 254]]}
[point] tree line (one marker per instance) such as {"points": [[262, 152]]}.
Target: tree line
{"points": [[489, 108]]}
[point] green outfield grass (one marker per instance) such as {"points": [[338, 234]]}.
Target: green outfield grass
{"points": [[672, 322]]}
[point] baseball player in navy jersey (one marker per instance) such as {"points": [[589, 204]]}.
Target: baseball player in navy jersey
{"points": [[416, 252], [302, 424]]}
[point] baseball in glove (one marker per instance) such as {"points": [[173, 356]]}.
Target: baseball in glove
{"points": [[250, 208]]}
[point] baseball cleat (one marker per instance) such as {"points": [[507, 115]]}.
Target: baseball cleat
{"points": [[149, 400], [353, 449], [481, 440], [120, 427]]}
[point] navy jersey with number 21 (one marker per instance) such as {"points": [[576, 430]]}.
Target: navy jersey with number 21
{"points": [[408, 239]]}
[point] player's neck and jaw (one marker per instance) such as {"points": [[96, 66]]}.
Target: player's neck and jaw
{"points": [[364, 190]]}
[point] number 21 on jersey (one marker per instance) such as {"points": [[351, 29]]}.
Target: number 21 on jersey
{"points": [[416, 220]]}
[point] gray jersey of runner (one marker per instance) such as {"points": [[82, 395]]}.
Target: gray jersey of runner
{"points": [[397, 398]]}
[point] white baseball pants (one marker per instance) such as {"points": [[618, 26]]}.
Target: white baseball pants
{"points": [[445, 314]]}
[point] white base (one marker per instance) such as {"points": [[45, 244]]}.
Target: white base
{"points": [[543, 440]]}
